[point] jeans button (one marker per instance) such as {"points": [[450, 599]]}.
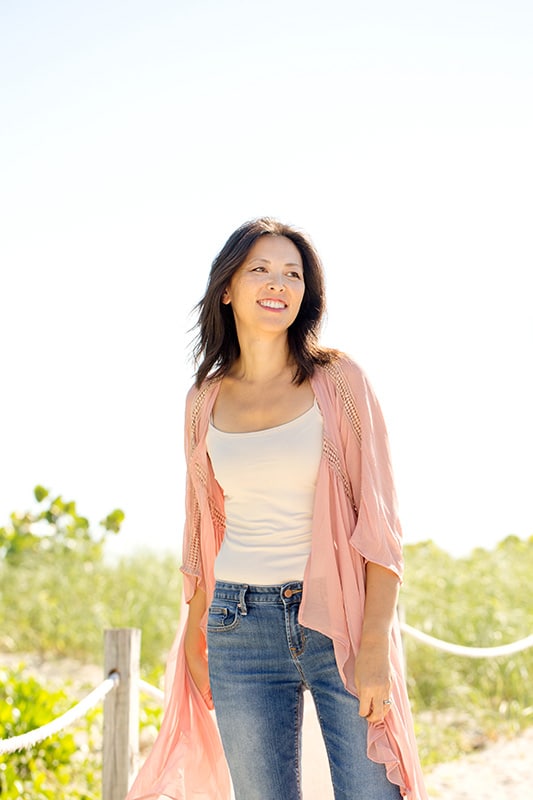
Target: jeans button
{"points": [[288, 593]]}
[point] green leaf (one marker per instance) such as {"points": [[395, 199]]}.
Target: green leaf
{"points": [[40, 493], [114, 520]]}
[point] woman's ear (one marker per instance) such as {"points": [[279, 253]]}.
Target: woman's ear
{"points": [[226, 298]]}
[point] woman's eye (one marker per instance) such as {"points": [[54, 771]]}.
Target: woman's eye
{"points": [[294, 275]]}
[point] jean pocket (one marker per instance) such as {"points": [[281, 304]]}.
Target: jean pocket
{"points": [[222, 618]]}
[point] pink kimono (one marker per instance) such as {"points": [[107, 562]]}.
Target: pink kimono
{"points": [[355, 521]]}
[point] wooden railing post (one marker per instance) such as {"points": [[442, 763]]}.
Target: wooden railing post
{"points": [[122, 650]]}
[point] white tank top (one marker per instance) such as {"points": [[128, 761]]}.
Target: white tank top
{"points": [[268, 478]]}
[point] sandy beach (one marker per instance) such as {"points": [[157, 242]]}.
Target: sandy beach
{"points": [[501, 771]]}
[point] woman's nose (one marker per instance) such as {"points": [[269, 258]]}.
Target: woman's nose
{"points": [[276, 283]]}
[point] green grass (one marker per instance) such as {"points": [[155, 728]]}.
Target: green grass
{"points": [[60, 607]]}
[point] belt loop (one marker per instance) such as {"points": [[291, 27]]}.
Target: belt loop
{"points": [[241, 605]]}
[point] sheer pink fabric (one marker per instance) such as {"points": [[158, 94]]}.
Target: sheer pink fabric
{"points": [[355, 521]]}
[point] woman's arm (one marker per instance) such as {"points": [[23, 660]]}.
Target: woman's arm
{"points": [[372, 665], [196, 646]]}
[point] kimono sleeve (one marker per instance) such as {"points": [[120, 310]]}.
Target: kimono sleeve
{"points": [[378, 534]]}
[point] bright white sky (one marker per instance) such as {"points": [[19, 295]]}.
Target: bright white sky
{"points": [[135, 136]]}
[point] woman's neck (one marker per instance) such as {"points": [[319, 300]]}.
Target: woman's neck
{"points": [[262, 362]]}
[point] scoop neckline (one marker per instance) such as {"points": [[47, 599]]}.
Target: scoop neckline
{"points": [[266, 430]]}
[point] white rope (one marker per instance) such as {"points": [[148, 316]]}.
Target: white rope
{"points": [[152, 691], [469, 652], [27, 740]]}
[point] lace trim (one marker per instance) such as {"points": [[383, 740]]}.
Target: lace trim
{"points": [[219, 522], [201, 474], [348, 399], [192, 562], [332, 456], [196, 411]]}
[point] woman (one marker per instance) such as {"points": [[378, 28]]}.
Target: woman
{"points": [[292, 550]]}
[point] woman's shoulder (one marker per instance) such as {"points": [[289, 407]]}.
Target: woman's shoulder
{"points": [[350, 381], [342, 367], [197, 393]]}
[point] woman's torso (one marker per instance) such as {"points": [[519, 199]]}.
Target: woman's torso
{"points": [[266, 461]]}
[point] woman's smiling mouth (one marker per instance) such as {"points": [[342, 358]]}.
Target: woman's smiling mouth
{"points": [[274, 304]]}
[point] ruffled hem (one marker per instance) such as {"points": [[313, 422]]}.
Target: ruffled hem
{"points": [[380, 751]]}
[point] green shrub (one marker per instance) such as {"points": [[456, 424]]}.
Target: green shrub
{"points": [[43, 771], [52, 528]]}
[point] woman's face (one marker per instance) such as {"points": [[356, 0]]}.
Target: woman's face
{"points": [[267, 290]]}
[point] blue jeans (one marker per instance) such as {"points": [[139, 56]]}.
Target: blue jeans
{"points": [[260, 662]]}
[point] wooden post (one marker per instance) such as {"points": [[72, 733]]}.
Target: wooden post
{"points": [[122, 650]]}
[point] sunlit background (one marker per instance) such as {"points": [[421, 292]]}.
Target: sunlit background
{"points": [[135, 136]]}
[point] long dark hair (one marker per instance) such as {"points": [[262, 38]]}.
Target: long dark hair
{"points": [[217, 347]]}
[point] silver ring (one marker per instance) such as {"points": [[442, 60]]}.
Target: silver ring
{"points": [[387, 702]]}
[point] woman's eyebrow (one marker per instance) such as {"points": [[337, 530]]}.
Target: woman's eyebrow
{"points": [[267, 261]]}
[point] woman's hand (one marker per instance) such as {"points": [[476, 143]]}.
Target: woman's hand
{"points": [[373, 678], [373, 675], [196, 647]]}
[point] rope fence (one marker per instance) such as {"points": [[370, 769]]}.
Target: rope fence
{"points": [[152, 691], [122, 648], [26, 740], [463, 650]]}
